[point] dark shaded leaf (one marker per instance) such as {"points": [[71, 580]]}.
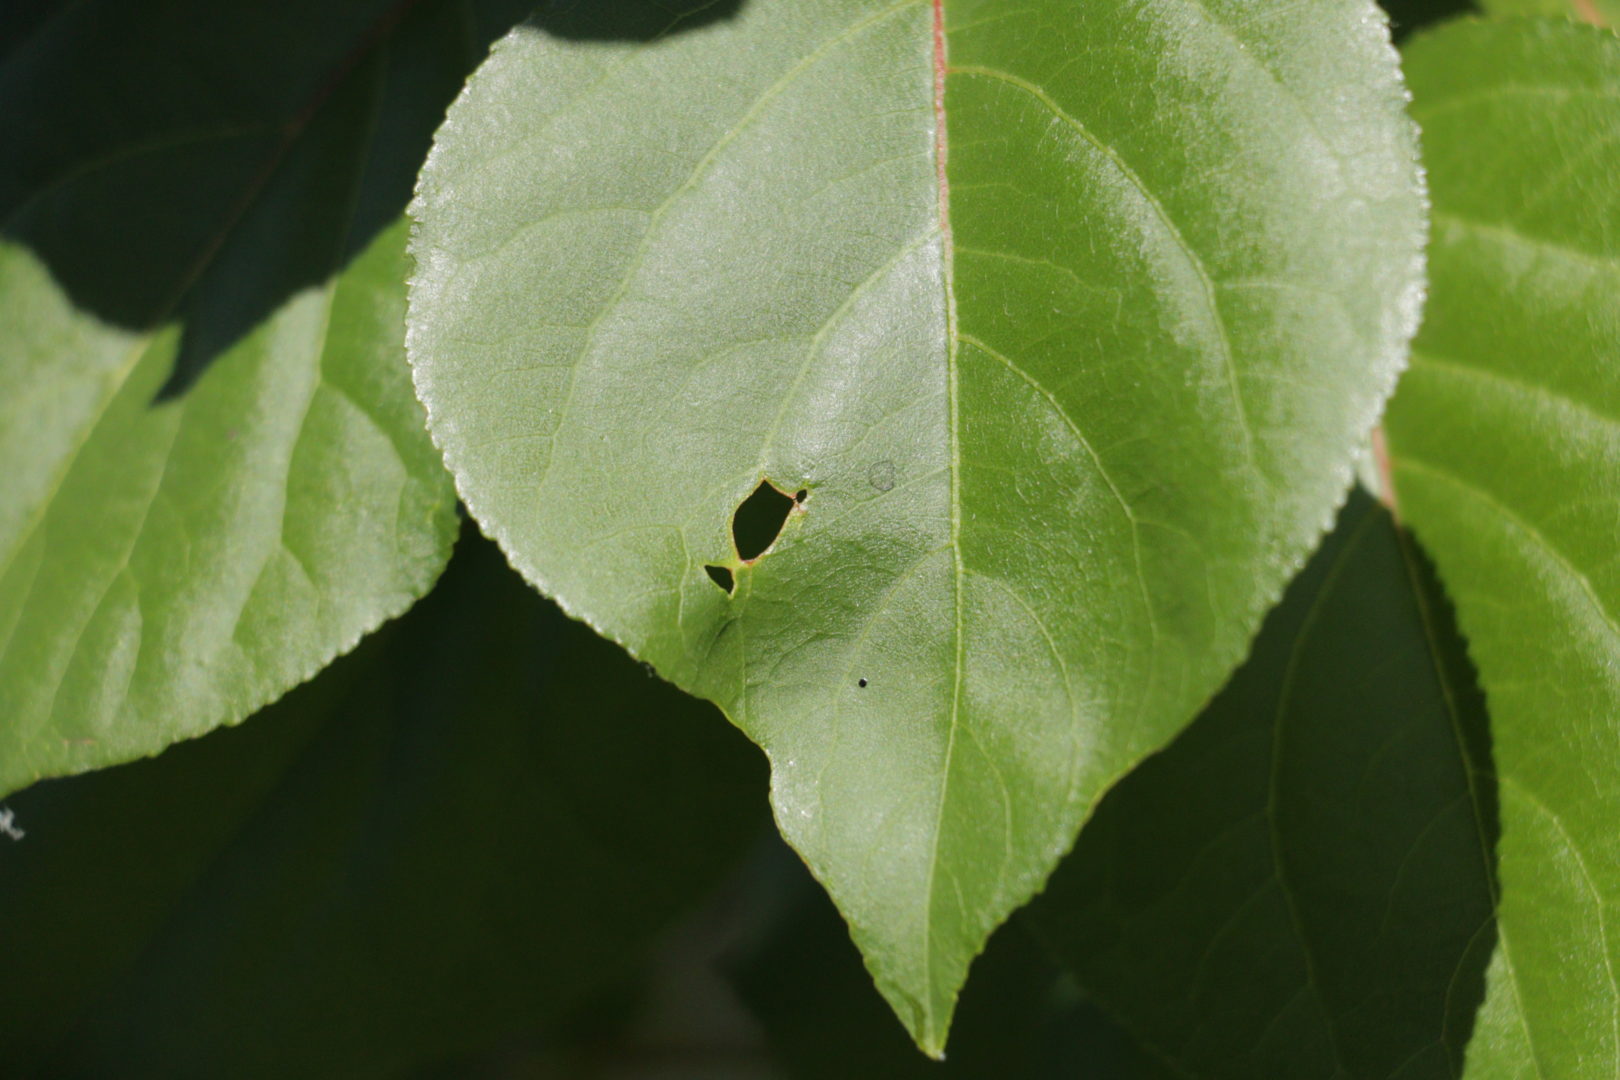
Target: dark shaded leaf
{"points": [[440, 843], [1301, 885]]}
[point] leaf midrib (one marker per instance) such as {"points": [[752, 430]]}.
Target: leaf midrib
{"points": [[1285, 690], [933, 1037]]}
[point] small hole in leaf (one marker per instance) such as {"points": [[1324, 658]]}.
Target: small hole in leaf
{"points": [[721, 577], [758, 521], [861, 683]]}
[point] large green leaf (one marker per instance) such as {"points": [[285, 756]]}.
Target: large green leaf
{"points": [[216, 476], [439, 843], [1505, 442], [1301, 885], [1069, 393]]}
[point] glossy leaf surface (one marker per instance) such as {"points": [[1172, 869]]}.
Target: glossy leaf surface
{"points": [[216, 477], [1063, 318], [430, 850], [1505, 440], [1301, 885]]}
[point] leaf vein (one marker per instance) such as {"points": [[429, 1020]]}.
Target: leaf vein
{"points": [[1194, 261]]}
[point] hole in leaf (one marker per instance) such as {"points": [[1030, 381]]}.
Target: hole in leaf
{"points": [[758, 521], [861, 683], [721, 577]]}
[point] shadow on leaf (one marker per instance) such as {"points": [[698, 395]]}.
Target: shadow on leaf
{"points": [[221, 160], [626, 20]]}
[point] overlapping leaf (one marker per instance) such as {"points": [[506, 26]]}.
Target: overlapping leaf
{"points": [[1063, 318], [433, 848], [216, 476], [1505, 442], [1301, 885]]}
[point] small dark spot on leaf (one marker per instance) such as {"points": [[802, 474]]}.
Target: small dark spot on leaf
{"points": [[758, 521], [721, 577], [861, 683], [882, 475]]}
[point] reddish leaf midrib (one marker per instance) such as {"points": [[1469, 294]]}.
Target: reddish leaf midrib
{"points": [[939, 120]]}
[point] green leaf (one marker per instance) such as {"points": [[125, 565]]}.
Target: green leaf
{"points": [[443, 841], [1062, 430], [1597, 12], [1301, 885], [1505, 443], [216, 474]]}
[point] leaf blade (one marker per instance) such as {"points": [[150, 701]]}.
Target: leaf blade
{"points": [[629, 313], [1596, 12], [413, 857], [218, 479], [1504, 453], [1303, 884]]}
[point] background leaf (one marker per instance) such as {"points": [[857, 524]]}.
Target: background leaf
{"points": [[1597, 12], [216, 474], [1061, 436], [1505, 442], [1301, 885], [439, 844]]}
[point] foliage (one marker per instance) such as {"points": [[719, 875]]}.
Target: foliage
{"points": [[1506, 450], [977, 615], [951, 392]]}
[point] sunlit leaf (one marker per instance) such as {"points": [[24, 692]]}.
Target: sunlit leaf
{"points": [[215, 474], [1505, 443], [1053, 325]]}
